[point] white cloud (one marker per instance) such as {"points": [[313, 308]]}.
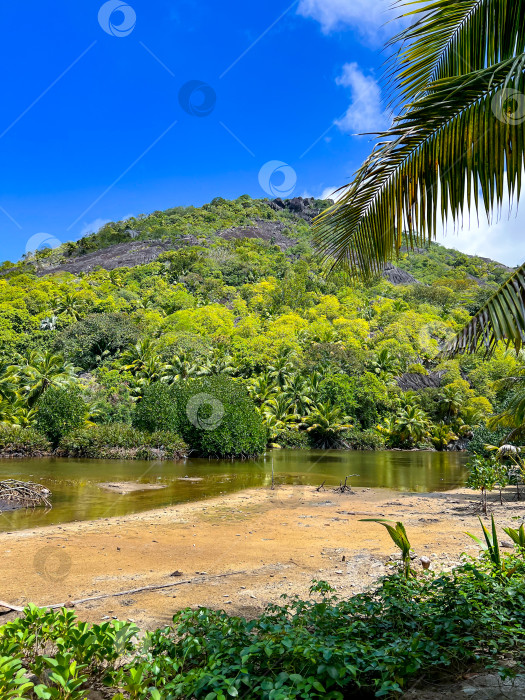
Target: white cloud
{"points": [[97, 224], [503, 240], [330, 193], [365, 113], [368, 17], [93, 227]]}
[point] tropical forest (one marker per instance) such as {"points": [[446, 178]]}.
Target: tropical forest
{"points": [[274, 446]]}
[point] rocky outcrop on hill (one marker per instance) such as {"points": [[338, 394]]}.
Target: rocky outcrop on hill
{"points": [[395, 275], [304, 208], [416, 382], [118, 255], [270, 231]]}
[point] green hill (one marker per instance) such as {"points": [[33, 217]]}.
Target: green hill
{"points": [[234, 288]]}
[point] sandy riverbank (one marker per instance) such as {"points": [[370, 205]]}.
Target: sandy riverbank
{"points": [[280, 540]]}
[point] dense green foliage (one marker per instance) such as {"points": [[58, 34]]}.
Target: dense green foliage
{"points": [[117, 441], [158, 409], [218, 418], [374, 644], [20, 442], [59, 412], [315, 353]]}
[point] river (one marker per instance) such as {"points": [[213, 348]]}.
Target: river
{"points": [[76, 494]]}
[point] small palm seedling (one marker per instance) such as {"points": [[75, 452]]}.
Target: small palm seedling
{"points": [[490, 546], [518, 537], [400, 539]]}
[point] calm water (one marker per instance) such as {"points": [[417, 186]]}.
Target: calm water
{"points": [[77, 496]]}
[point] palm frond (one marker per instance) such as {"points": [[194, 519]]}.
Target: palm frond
{"points": [[459, 140], [454, 38], [502, 318]]}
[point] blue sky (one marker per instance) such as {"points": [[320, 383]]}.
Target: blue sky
{"points": [[116, 109]]}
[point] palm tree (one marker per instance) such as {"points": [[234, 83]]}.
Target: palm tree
{"points": [[218, 364], [513, 415], [450, 401], [181, 367], [326, 423], [262, 388], [457, 142], [385, 362], [70, 305], [411, 425], [140, 355], [42, 370], [9, 382], [281, 408], [278, 416], [297, 392], [314, 381], [441, 436], [281, 369]]}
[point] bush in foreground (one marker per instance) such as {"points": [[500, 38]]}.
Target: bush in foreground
{"points": [[116, 441], [22, 442], [374, 644]]}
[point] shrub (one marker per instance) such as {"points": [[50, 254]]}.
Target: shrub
{"points": [[483, 436], [294, 439], [378, 643], [114, 441], [158, 409], [416, 368], [366, 397], [363, 439], [59, 412], [375, 643], [22, 442], [484, 475], [98, 337], [217, 418]]}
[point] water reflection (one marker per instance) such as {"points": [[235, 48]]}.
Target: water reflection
{"points": [[76, 495]]}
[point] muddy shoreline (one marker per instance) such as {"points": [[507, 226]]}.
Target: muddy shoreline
{"points": [[240, 551]]}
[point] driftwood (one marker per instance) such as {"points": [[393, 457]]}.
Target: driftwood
{"points": [[25, 493], [321, 488], [344, 488], [143, 589]]}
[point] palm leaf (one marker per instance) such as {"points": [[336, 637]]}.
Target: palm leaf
{"points": [[501, 318], [448, 38], [457, 136], [517, 536], [436, 157]]}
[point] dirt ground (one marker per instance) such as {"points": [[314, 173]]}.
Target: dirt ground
{"points": [[237, 552]]}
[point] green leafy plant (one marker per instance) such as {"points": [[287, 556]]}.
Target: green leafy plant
{"points": [[59, 412], [18, 441], [117, 441], [517, 536], [400, 539], [490, 546], [484, 474], [14, 682], [218, 418]]}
